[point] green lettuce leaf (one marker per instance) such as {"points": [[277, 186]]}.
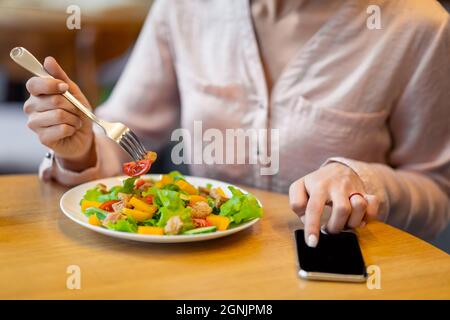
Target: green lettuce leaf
{"points": [[171, 205], [183, 213], [111, 195], [241, 207], [101, 214], [124, 225], [94, 194], [172, 187], [154, 220], [176, 175], [250, 209], [169, 199], [128, 185]]}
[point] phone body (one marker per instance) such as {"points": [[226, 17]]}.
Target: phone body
{"points": [[337, 257]]}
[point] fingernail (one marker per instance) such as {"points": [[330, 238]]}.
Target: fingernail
{"points": [[363, 224], [63, 87], [302, 219], [312, 241], [80, 124]]}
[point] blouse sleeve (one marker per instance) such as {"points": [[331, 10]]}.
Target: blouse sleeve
{"points": [[414, 188]]}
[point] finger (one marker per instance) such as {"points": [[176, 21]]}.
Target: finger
{"points": [[340, 212], [373, 205], [313, 213], [51, 135], [51, 118], [54, 69], [38, 86], [29, 104], [358, 211], [298, 197], [51, 102]]}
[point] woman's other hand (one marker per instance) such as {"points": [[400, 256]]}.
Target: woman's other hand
{"points": [[338, 186]]}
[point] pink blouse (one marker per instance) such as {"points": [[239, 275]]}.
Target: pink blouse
{"points": [[374, 100]]}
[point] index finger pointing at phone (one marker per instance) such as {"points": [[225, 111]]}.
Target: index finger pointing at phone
{"points": [[313, 214]]}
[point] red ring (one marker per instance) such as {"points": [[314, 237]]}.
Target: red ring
{"points": [[356, 194]]}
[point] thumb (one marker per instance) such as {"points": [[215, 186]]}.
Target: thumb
{"points": [[54, 69]]}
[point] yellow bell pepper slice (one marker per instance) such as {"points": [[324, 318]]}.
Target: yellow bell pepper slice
{"points": [[158, 185], [185, 197], [87, 204], [186, 187], [142, 205], [137, 215], [93, 220], [220, 192], [166, 179], [220, 222], [149, 230], [195, 198]]}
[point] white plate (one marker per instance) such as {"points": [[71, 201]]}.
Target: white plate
{"points": [[70, 205]]}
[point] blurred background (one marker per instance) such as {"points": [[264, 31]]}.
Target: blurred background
{"points": [[93, 56]]}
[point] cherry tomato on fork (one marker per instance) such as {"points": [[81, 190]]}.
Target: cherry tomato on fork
{"points": [[134, 169]]}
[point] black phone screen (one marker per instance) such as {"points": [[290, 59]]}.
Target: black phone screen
{"points": [[335, 253]]}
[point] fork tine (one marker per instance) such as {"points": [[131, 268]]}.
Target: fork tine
{"points": [[124, 144], [137, 142], [132, 145], [127, 148]]}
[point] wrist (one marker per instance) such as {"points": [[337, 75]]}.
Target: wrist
{"points": [[79, 163]]}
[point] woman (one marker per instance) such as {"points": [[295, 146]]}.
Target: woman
{"points": [[362, 113]]}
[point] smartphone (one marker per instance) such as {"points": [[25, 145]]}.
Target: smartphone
{"points": [[337, 257]]}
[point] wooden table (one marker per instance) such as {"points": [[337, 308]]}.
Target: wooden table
{"points": [[38, 243]]}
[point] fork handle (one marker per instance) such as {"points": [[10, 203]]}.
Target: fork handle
{"points": [[27, 61]]}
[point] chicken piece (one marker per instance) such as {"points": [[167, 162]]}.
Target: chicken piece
{"points": [[145, 186], [112, 217], [200, 210], [201, 223], [203, 191], [118, 206], [218, 198], [124, 198], [173, 225]]}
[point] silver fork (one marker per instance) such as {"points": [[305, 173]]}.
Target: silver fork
{"points": [[116, 131]]}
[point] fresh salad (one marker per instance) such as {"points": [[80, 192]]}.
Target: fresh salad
{"points": [[168, 206]]}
